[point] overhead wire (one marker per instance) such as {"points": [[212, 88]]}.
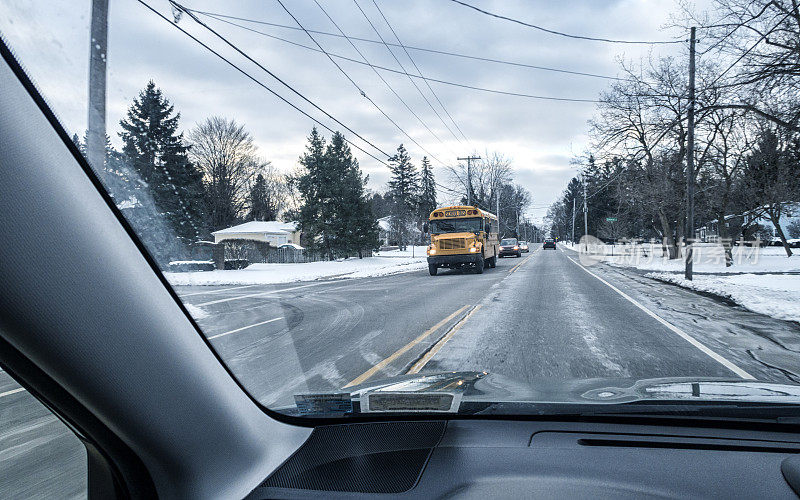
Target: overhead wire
{"points": [[415, 48], [388, 85], [391, 52], [261, 84], [384, 68], [420, 73], [567, 35], [270, 73], [361, 91]]}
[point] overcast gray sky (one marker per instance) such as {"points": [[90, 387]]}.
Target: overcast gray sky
{"points": [[540, 137]]}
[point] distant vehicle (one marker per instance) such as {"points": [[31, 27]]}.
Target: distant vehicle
{"points": [[549, 243], [462, 236], [510, 246], [294, 246], [523, 247]]}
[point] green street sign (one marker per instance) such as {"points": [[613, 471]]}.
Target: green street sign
{"points": [[611, 219]]}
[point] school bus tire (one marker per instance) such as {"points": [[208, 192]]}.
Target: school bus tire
{"points": [[479, 266], [433, 269]]}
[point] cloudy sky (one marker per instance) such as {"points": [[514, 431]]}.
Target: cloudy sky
{"points": [[540, 137]]}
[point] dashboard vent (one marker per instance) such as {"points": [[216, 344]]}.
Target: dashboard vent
{"points": [[363, 458]]}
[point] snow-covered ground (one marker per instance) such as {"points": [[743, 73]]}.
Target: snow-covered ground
{"points": [[707, 259], [286, 273], [416, 251], [776, 295]]}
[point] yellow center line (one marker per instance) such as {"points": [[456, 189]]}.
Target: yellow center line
{"points": [[523, 261], [419, 365], [379, 366]]}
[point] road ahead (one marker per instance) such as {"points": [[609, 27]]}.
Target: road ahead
{"points": [[539, 316]]}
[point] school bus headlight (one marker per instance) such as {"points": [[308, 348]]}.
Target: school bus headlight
{"points": [[473, 249], [431, 251]]}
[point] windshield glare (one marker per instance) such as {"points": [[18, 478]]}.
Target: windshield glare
{"points": [[472, 225], [297, 230]]}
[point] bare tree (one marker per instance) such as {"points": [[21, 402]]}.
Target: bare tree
{"points": [[225, 152], [489, 174], [761, 39]]}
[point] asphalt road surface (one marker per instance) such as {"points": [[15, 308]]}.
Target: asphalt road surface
{"points": [[536, 317]]}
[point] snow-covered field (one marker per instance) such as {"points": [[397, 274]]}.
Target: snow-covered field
{"points": [[256, 274], [707, 259], [776, 295]]}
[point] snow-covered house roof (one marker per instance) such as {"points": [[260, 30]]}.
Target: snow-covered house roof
{"points": [[271, 231], [260, 227]]}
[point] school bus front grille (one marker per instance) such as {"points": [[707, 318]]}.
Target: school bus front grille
{"points": [[452, 243]]}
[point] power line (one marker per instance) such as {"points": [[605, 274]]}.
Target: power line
{"points": [[412, 47], [363, 94], [401, 64], [391, 70], [366, 61], [261, 84], [270, 73], [420, 73], [568, 35]]}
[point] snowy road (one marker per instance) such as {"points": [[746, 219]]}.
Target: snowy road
{"points": [[533, 318]]}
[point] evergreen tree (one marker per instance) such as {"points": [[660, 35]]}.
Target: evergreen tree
{"points": [[427, 191], [404, 192], [155, 153], [334, 213], [261, 201], [313, 188], [356, 227]]}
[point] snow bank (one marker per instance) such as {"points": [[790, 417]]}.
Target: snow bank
{"points": [[776, 295], [257, 274], [418, 252], [707, 259]]}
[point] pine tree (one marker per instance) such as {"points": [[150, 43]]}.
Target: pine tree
{"points": [[335, 214], [356, 227], [313, 187], [404, 192], [155, 153], [427, 191], [260, 199]]}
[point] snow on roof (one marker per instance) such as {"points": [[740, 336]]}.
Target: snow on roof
{"points": [[260, 226]]}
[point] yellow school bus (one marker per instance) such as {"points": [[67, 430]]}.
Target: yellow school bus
{"points": [[462, 236]]}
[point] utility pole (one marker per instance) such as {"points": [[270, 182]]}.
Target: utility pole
{"points": [[690, 162], [98, 52], [469, 176], [585, 213], [573, 220]]}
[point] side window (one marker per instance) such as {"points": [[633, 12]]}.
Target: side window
{"points": [[40, 457]]}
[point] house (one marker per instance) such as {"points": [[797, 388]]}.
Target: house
{"points": [[752, 218], [385, 231], [273, 232]]}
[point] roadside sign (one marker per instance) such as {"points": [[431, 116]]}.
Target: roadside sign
{"points": [[611, 219]]}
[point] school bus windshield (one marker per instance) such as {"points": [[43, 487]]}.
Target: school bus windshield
{"points": [[471, 225]]}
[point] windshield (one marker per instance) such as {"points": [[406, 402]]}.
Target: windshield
{"points": [[283, 182], [472, 225]]}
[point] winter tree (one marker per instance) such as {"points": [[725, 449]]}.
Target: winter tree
{"points": [[154, 152], [403, 189], [427, 191], [226, 155]]}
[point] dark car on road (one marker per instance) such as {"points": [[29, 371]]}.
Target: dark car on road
{"points": [[509, 246], [549, 243]]}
